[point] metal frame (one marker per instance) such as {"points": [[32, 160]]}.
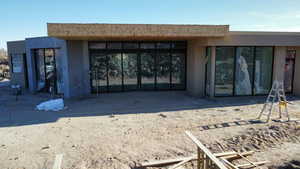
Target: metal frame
{"points": [[253, 78], [138, 51]]}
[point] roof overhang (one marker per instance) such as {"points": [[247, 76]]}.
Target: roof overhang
{"points": [[70, 31]]}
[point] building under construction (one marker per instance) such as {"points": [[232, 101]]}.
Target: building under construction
{"points": [[204, 60]]}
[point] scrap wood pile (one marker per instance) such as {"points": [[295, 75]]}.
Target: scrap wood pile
{"points": [[208, 160]]}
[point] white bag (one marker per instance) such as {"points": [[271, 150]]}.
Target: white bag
{"points": [[52, 105]]}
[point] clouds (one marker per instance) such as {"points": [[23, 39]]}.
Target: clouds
{"points": [[288, 21]]}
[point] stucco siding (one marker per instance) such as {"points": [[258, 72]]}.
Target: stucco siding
{"points": [[256, 40], [196, 68], [17, 47], [78, 69], [296, 84], [279, 63]]}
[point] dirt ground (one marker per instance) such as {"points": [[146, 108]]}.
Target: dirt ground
{"points": [[122, 130]]}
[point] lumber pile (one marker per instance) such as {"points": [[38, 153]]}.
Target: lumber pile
{"points": [[208, 160]]}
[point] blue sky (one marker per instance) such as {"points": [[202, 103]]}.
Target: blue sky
{"points": [[28, 18]]}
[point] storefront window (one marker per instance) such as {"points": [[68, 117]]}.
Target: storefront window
{"points": [[124, 66], [224, 71], [238, 68], [263, 70], [178, 71], [163, 70], [244, 70], [115, 71]]}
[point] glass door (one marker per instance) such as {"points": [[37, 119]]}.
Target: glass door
{"points": [[114, 72], [244, 71], [99, 72], [147, 71], [130, 71], [46, 70]]}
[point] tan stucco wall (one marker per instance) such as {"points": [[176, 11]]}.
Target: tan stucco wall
{"points": [[196, 68], [297, 73], [132, 31], [16, 47], [279, 62], [256, 39]]}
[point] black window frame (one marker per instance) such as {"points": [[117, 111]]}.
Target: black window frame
{"points": [[139, 50], [254, 65]]}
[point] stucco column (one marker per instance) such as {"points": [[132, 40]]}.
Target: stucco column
{"points": [[212, 72], [196, 68], [296, 85], [279, 63]]}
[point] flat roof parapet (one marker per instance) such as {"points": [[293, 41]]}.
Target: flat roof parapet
{"points": [[71, 31]]}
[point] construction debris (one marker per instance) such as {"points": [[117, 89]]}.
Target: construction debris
{"points": [[258, 139], [208, 160]]}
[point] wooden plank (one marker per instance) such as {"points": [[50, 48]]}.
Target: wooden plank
{"points": [[250, 165], [165, 162], [229, 163], [236, 156], [58, 161], [205, 150], [247, 160], [199, 158], [181, 163], [225, 154]]}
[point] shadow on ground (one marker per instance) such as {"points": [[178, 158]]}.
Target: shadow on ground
{"points": [[22, 112], [230, 124]]}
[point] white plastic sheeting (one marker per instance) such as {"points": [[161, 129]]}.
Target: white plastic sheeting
{"points": [[51, 105]]}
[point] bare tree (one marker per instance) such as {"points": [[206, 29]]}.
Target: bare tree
{"points": [[4, 69]]}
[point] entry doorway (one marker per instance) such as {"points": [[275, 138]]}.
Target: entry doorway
{"points": [[45, 70], [289, 70]]}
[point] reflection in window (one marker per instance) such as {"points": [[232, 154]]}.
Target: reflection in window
{"points": [[263, 70], [40, 67], [178, 71], [115, 71], [137, 65], [147, 71], [244, 70], [130, 71], [163, 70], [224, 71], [99, 72]]}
